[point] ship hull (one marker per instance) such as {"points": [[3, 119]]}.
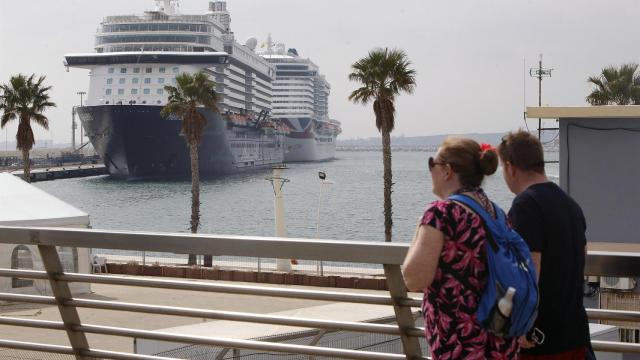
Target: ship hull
{"points": [[134, 141], [306, 143], [305, 149]]}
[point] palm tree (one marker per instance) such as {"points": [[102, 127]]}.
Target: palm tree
{"points": [[25, 99], [384, 74], [192, 92], [614, 85]]}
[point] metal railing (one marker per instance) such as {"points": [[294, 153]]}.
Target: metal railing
{"points": [[390, 255]]}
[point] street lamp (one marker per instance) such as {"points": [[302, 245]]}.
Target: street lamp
{"points": [[323, 180]]}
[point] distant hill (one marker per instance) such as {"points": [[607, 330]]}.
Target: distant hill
{"points": [[415, 142]]}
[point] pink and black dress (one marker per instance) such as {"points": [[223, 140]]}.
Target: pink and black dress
{"points": [[449, 306]]}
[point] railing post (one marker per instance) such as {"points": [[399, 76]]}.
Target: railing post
{"points": [[405, 319], [61, 292]]}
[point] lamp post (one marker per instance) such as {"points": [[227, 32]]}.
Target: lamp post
{"points": [[278, 181], [323, 180], [74, 126], [81, 93]]}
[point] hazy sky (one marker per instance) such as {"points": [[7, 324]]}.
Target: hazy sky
{"points": [[470, 55]]}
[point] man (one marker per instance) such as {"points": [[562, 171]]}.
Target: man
{"points": [[553, 226]]}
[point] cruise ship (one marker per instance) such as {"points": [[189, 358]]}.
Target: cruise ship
{"points": [[137, 55], [300, 100]]}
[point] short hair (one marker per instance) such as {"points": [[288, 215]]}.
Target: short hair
{"points": [[468, 160], [522, 150]]}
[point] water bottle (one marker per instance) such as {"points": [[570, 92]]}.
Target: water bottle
{"points": [[499, 323], [505, 305]]}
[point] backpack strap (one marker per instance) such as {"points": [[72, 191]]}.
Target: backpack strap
{"points": [[487, 219], [477, 208]]}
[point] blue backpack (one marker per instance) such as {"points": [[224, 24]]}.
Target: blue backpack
{"points": [[509, 265]]}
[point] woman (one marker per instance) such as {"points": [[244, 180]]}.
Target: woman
{"points": [[449, 245]]}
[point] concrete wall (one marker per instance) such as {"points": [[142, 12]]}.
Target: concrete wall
{"points": [[600, 168]]}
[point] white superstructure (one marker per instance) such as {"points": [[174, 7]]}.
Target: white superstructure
{"points": [[243, 79], [301, 100]]}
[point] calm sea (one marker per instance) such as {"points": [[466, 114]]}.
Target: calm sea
{"points": [[243, 204]]}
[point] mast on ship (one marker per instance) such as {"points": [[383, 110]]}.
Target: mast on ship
{"points": [[169, 7]]}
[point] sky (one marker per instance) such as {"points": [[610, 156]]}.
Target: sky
{"points": [[472, 57]]}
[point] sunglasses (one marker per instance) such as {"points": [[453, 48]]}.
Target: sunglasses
{"points": [[433, 163]]}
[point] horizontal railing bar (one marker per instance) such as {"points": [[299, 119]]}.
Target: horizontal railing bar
{"points": [[230, 245], [35, 299], [184, 285], [619, 315], [26, 274], [617, 347], [238, 344], [229, 288], [22, 345], [59, 349], [103, 354], [41, 324], [235, 316], [411, 302]]}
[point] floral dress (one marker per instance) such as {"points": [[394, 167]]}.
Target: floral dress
{"points": [[449, 306]]}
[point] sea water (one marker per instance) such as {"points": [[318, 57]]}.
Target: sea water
{"points": [[350, 202]]}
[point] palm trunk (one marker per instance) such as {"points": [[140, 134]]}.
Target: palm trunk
{"points": [[26, 172], [195, 194], [386, 161]]}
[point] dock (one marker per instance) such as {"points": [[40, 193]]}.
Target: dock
{"points": [[64, 172]]}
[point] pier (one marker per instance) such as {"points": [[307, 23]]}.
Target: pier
{"points": [[64, 172]]}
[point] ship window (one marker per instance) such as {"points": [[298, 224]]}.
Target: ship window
{"points": [[160, 80], [144, 101], [111, 70], [175, 69], [107, 102], [159, 91], [107, 92], [109, 81], [134, 91], [147, 80], [135, 80], [148, 70], [159, 102], [120, 91], [161, 70], [136, 70], [121, 81], [146, 91], [123, 70]]}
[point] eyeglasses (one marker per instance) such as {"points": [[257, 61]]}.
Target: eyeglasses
{"points": [[433, 163]]}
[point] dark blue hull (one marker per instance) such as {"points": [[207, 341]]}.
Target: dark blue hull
{"points": [[134, 141]]}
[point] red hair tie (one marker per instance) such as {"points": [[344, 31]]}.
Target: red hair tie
{"points": [[486, 147]]}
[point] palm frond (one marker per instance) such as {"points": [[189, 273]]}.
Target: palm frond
{"points": [[25, 99], [383, 74], [616, 85], [191, 92]]}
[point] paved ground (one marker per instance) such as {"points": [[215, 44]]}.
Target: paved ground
{"points": [[229, 302]]}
